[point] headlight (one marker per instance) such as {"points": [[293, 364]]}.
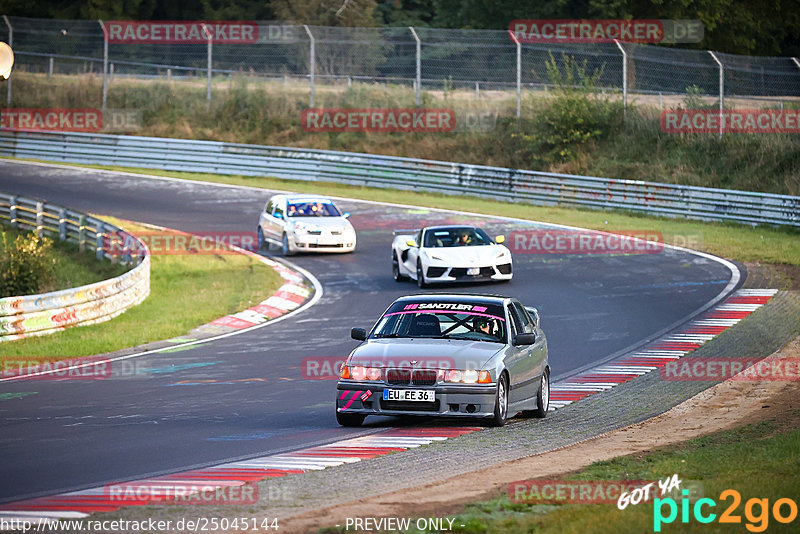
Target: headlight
{"points": [[469, 376], [361, 373]]}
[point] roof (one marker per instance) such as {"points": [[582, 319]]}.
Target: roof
{"points": [[293, 197], [456, 297]]}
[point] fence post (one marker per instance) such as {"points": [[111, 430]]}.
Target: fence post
{"points": [[419, 66], [519, 72], [210, 57], [105, 63], [50, 68], [721, 90], [98, 241], [624, 78], [40, 219], [62, 225], [12, 212], [312, 65], [11, 44], [81, 232]]}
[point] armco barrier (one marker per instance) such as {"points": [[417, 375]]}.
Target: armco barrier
{"points": [[405, 173], [34, 315]]}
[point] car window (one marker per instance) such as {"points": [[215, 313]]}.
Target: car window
{"points": [[278, 209], [516, 323], [476, 322], [312, 208], [419, 238], [523, 317], [269, 207], [456, 237]]}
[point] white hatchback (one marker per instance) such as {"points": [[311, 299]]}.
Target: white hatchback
{"points": [[305, 223]]}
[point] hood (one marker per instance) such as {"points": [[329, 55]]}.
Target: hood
{"points": [[427, 353], [467, 256], [327, 223]]}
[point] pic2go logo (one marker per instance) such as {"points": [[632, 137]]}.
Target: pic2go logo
{"points": [[756, 511]]}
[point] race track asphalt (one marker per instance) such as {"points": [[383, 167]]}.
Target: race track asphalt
{"points": [[245, 396]]}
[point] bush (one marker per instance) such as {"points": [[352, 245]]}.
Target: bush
{"points": [[26, 265], [573, 117]]}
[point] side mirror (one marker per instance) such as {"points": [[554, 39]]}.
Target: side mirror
{"points": [[359, 334], [411, 243], [535, 314], [278, 215], [346, 215], [500, 239], [524, 339]]}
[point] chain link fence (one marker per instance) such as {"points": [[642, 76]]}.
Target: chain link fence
{"points": [[421, 59]]}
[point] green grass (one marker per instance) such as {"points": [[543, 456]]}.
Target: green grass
{"points": [[729, 240], [248, 110], [751, 460], [71, 267], [185, 291]]}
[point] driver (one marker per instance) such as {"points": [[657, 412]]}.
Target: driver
{"points": [[484, 326], [464, 238]]}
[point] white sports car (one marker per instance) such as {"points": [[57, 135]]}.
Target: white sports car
{"points": [[449, 254], [305, 223]]}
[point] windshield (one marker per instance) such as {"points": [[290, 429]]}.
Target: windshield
{"points": [[312, 208], [456, 237], [443, 320]]}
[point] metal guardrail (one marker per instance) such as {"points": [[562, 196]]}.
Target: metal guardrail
{"points": [[34, 315], [497, 183]]}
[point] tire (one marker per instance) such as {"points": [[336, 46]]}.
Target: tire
{"points": [[396, 269], [285, 248], [542, 399], [420, 276], [500, 403], [349, 419], [262, 243]]}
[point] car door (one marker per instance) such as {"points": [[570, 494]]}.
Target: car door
{"points": [[265, 219], [278, 219], [537, 352], [518, 360], [524, 385], [412, 254]]}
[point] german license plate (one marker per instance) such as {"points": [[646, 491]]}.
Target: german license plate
{"points": [[414, 395], [473, 271]]}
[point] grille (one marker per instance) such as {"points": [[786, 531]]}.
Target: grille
{"points": [[436, 272], [505, 268], [487, 271], [315, 245], [458, 272], [424, 378], [410, 406], [336, 232], [315, 232], [398, 376]]}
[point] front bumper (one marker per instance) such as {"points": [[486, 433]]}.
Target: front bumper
{"points": [[452, 400], [324, 242], [500, 272]]}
